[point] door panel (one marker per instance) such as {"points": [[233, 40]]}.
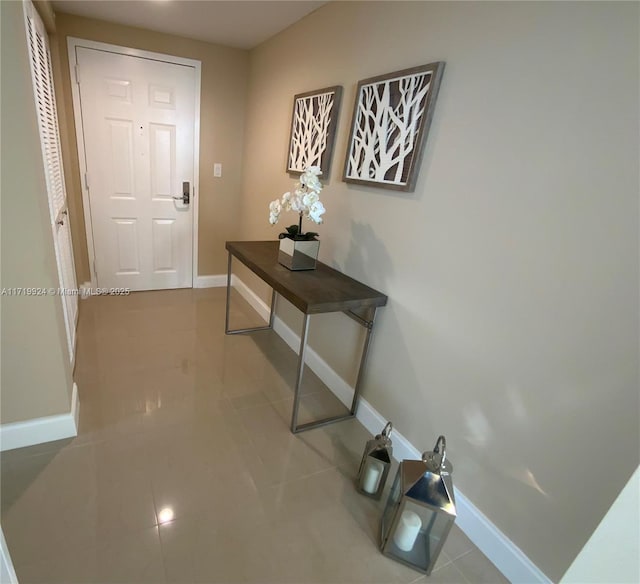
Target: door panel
{"points": [[163, 244], [162, 97], [126, 232], [138, 119], [120, 89], [121, 142], [163, 160]]}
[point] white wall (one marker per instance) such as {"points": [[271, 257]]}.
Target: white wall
{"points": [[7, 571], [612, 553]]}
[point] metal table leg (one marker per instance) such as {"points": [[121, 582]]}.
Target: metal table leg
{"points": [[229, 331], [296, 397], [367, 322]]}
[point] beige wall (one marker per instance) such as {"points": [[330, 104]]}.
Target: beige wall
{"points": [[512, 271], [223, 99], [36, 373]]}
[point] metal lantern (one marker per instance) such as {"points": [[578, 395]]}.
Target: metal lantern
{"points": [[375, 464], [420, 510]]}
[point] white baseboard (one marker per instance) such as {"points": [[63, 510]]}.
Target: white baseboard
{"points": [[213, 281], [75, 407], [259, 305], [494, 544], [39, 430]]}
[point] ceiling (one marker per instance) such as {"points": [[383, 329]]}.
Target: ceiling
{"points": [[236, 23]]}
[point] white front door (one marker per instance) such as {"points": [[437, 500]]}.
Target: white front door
{"points": [[138, 124]]}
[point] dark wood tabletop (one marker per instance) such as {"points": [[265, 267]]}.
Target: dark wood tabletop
{"points": [[311, 291]]}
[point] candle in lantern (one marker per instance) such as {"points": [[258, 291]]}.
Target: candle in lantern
{"points": [[372, 476], [407, 530]]}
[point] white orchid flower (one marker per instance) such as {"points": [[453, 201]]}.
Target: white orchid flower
{"points": [[309, 199], [304, 200], [315, 212], [296, 203], [275, 208], [311, 182], [286, 201]]}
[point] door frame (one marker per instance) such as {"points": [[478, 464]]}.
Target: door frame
{"points": [[72, 44]]}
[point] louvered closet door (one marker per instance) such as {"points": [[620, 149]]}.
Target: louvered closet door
{"points": [[51, 154]]}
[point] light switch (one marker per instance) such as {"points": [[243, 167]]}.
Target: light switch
{"points": [[217, 170]]}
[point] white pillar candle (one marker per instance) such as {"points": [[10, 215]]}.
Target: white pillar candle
{"points": [[407, 530], [372, 475]]}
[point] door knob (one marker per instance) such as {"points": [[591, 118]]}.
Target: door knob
{"points": [[185, 194]]}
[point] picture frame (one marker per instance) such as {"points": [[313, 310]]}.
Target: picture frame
{"points": [[314, 121], [391, 118]]}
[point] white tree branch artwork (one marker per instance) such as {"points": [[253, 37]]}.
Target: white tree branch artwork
{"points": [[389, 119], [312, 128]]}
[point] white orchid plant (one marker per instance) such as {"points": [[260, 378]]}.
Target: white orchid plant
{"points": [[305, 200]]}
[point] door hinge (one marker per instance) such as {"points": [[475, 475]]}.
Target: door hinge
{"points": [[86, 180], [95, 272], [77, 70]]}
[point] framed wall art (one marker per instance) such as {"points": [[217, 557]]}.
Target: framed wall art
{"points": [[313, 129], [391, 118]]}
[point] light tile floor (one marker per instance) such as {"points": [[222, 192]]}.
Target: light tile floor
{"points": [[184, 469]]}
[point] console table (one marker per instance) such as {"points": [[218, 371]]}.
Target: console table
{"points": [[312, 292]]}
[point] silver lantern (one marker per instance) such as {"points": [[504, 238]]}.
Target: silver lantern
{"points": [[420, 510], [375, 464]]}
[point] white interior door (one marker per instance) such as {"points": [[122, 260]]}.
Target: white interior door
{"points": [[45, 100], [138, 124]]}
